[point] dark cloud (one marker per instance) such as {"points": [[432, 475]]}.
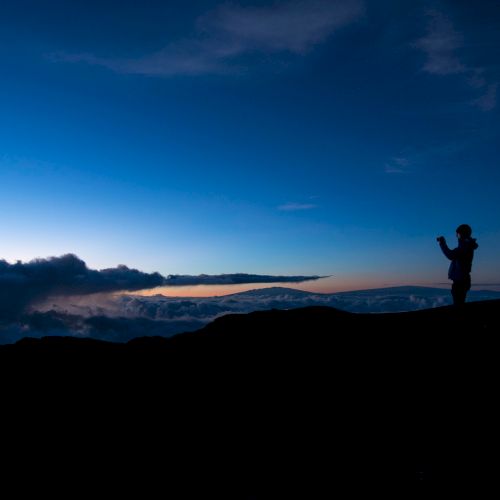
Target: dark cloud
{"points": [[23, 284], [234, 279]]}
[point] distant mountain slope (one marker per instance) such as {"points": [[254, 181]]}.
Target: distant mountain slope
{"points": [[269, 404]]}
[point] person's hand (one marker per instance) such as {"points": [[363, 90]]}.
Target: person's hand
{"points": [[440, 239]]}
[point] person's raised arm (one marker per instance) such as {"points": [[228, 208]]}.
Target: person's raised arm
{"points": [[451, 254]]}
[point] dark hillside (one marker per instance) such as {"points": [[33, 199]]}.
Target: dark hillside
{"points": [[263, 405]]}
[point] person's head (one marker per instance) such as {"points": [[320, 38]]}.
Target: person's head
{"points": [[464, 231]]}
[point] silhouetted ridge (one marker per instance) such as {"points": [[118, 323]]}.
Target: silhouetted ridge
{"points": [[267, 404]]}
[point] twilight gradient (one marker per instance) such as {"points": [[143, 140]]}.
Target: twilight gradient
{"points": [[328, 137]]}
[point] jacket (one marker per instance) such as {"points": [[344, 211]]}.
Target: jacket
{"points": [[461, 258]]}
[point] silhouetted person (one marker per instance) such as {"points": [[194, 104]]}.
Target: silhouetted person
{"points": [[461, 262]]}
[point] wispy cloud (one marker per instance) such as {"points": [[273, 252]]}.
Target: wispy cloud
{"points": [[293, 26], [186, 57], [397, 165], [488, 100], [230, 30], [293, 207], [442, 46]]}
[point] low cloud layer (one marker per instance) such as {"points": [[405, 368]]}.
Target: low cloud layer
{"points": [[231, 31], [121, 318], [25, 284]]}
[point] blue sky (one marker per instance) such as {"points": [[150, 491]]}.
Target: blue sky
{"points": [[290, 137]]}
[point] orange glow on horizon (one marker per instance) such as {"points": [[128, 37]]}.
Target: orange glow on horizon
{"points": [[324, 285]]}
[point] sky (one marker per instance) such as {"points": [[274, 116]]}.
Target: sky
{"points": [[292, 137]]}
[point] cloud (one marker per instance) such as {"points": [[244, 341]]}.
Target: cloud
{"points": [[187, 57], [294, 26], [25, 284], [402, 162], [440, 45], [121, 318], [230, 30], [392, 169], [233, 279], [294, 207], [488, 101], [206, 309], [397, 165]]}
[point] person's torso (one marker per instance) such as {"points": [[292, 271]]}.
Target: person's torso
{"points": [[461, 266]]}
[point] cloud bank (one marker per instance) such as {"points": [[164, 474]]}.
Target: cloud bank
{"points": [[25, 284], [231, 31], [22, 284], [121, 318]]}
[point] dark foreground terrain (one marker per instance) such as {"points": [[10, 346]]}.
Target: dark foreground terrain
{"points": [[312, 402]]}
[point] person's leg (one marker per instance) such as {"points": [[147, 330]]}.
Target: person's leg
{"points": [[458, 292], [467, 286]]}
